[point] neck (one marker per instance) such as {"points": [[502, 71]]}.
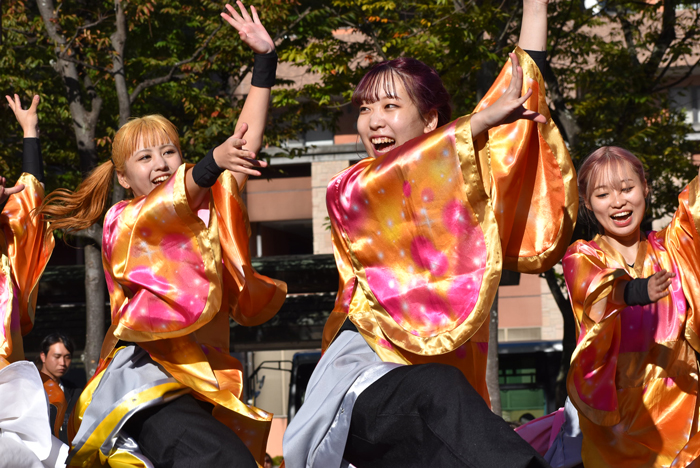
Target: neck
{"points": [[628, 246]]}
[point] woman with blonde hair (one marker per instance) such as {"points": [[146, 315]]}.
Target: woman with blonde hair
{"points": [[177, 267]]}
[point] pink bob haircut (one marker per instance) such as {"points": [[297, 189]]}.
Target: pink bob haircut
{"points": [[608, 164], [421, 82]]}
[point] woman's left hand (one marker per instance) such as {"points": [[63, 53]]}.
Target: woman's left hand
{"points": [[509, 107], [249, 28]]}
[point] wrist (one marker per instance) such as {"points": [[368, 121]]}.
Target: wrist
{"points": [[264, 70]]}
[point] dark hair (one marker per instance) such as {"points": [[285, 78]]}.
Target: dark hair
{"points": [[52, 339], [422, 83]]}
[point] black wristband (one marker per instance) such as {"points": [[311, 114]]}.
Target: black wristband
{"points": [[264, 70], [539, 57], [31, 158], [206, 171], [637, 292]]}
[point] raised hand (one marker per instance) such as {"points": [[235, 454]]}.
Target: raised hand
{"points": [[232, 156], [6, 192], [658, 285], [509, 107], [28, 119], [249, 28]]}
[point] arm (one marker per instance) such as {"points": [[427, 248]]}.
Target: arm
{"points": [[533, 29], [238, 154], [31, 155]]}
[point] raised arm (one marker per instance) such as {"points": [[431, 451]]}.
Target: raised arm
{"points": [[533, 29], [237, 154]]}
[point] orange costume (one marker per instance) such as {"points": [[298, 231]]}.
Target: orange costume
{"points": [[174, 281], [24, 252], [421, 234], [634, 373]]}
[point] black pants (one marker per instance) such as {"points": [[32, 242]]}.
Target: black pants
{"points": [[184, 434], [429, 415]]}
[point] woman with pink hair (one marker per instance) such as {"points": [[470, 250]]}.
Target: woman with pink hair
{"points": [[421, 230], [634, 373]]}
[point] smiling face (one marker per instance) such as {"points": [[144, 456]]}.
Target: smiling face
{"points": [[617, 199], [392, 120], [149, 167]]}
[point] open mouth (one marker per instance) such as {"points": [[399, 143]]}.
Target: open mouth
{"points": [[621, 217], [383, 144], [161, 179]]}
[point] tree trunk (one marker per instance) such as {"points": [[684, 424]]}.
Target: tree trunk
{"points": [[84, 126], [492, 360], [118, 39], [94, 305], [569, 339]]}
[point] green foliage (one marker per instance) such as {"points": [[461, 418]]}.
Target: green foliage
{"points": [[609, 84]]}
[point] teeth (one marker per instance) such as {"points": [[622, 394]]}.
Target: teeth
{"points": [[161, 179], [378, 141], [621, 215]]}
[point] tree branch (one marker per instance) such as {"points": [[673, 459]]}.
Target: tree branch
{"points": [[166, 78]]}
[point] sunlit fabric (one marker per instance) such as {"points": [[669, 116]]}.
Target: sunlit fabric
{"points": [[634, 373], [422, 233], [57, 399], [24, 252], [173, 283]]}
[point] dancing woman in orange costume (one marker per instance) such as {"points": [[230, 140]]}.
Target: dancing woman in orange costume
{"points": [[421, 230], [177, 264], [635, 296], [25, 249]]}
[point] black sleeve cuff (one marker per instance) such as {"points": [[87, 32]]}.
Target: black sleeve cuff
{"points": [[264, 70], [206, 171], [31, 158], [637, 292], [539, 57]]}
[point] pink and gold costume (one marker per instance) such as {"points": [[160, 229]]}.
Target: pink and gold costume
{"points": [[421, 234], [634, 373], [173, 283], [24, 252]]}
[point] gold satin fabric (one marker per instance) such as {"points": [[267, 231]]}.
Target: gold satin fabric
{"points": [[24, 252], [634, 373], [421, 234], [174, 282]]}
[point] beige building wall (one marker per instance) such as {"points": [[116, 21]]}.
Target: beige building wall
{"points": [[321, 174]]}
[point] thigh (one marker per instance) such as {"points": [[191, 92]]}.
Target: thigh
{"points": [[183, 434], [429, 415]]}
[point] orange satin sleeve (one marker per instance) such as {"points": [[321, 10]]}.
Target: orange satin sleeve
{"points": [[681, 238], [530, 178], [25, 251], [591, 379], [253, 298]]}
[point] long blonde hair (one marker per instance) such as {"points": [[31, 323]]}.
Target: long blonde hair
{"points": [[75, 211]]}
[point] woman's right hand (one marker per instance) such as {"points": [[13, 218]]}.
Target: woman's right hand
{"points": [[28, 119], [250, 29], [658, 285]]}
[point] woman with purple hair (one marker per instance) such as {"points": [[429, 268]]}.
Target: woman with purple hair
{"points": [[421, 231]]}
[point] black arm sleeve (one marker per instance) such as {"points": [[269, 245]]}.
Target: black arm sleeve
{"points": [[31, 158], [206, 171], [539, 57], [637, 292], [264, 70]]}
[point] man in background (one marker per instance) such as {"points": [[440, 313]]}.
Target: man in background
{"points": [[56, 355]]}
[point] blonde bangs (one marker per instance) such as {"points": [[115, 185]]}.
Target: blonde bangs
{"points": [[144, 132]]}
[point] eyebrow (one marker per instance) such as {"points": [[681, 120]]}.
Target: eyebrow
{"points": [[605, 186], [155, 147]]}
